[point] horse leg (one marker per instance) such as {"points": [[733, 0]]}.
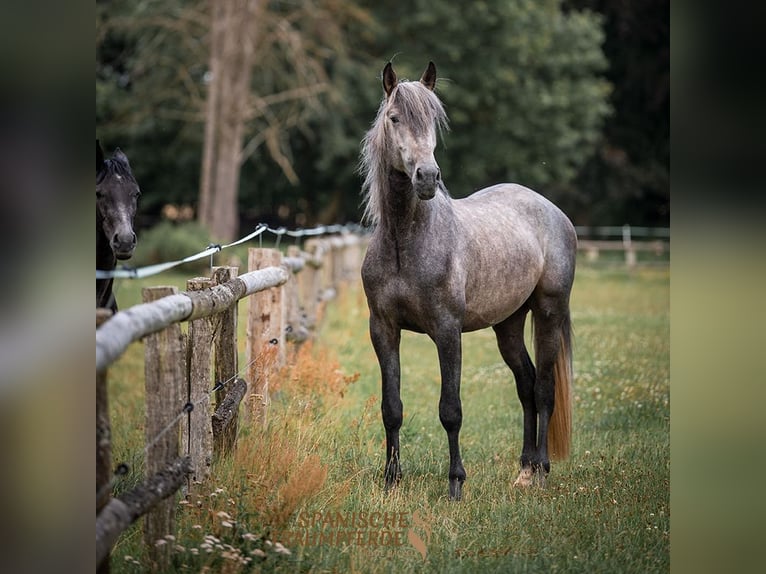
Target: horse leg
{"points": [[385, 341], [548, 321], [449, 347], [510, 341]]}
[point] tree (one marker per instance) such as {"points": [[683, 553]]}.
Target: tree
{"points": [[287, 49], [522, 82], [628, 179], [232, 52], [150, 66], [267, 69]]}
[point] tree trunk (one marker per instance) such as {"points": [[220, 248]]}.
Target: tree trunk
{"points": [[232, 50]]}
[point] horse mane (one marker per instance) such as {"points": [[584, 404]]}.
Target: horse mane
{"points": [[420, 108], [115, 166]]}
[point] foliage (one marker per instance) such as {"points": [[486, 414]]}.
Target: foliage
{"points": [[170, 241], [521, 87], [150, 66], [628, 179], [522, 81], [151, 83]]}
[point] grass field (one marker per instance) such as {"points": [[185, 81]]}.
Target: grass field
{"points": [[305, 494]]}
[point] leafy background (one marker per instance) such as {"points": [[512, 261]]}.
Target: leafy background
{"points": [[568, 97]]}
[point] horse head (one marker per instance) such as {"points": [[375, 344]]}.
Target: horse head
{"points": [[117, 194], [412, 114]]}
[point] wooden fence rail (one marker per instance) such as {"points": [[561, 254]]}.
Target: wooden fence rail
{"points": [[654, 240], [184, 373], [113, 338]]}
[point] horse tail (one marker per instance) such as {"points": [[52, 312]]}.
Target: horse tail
{"points": [[560, 428]]}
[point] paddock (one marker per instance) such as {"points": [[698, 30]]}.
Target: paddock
{"points": [[316, 463]]}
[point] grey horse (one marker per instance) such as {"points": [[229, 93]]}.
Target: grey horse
{"points": [[444, 266]]}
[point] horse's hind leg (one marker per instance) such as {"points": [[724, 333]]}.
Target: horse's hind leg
{"points": [[550, 316], [510, 341]]}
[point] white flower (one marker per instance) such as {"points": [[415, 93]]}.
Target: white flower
{"points": [[281, 549]]}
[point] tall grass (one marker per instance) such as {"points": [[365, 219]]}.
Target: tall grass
{"points": [[319, 462]]}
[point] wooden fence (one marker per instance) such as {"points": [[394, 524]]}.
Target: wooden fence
{"points": [[631, 241], [193, 383]]}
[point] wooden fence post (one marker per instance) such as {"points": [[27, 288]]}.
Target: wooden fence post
{"points": [[627, 243], [169, 396], [311, 282], [353, 257], [226, 361], [295, 315], [164, 371], [338, 262], [103, 440], [197, 441], [328, 266], [265, 333]]}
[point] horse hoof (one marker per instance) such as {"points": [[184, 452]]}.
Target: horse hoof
{"points": [[529, 477], [525, 478], [455, 489], [391, 483]]}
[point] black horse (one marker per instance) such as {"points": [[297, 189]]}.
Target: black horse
{"points": [[117, 196]]}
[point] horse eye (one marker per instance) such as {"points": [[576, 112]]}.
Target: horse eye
{"points": [[394, 119], [99, 194]]}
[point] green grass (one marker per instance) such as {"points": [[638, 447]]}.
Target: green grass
{"points": [[606, 509]]}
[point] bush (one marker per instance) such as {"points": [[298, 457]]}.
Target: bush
{"points": [[168, 241]]}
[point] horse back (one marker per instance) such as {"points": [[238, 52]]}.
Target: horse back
{"points": [[510, 220]]}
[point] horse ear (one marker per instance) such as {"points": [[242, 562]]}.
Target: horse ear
{"points": [[99, 158], [389, 79], [428, 79], [121, 157]]}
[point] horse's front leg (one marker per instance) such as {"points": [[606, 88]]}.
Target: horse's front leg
{"points": [[385, 341], [449, 345]]}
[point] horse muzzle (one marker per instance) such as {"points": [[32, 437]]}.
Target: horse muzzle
{"points": [[123, 245], [426, 181], [123, 255]]}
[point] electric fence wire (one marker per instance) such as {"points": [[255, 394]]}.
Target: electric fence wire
{"points": [[125, 272], [123, 468]]}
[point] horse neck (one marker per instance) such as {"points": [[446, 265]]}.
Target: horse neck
{"points": [[105, 259], [402, 213]]}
